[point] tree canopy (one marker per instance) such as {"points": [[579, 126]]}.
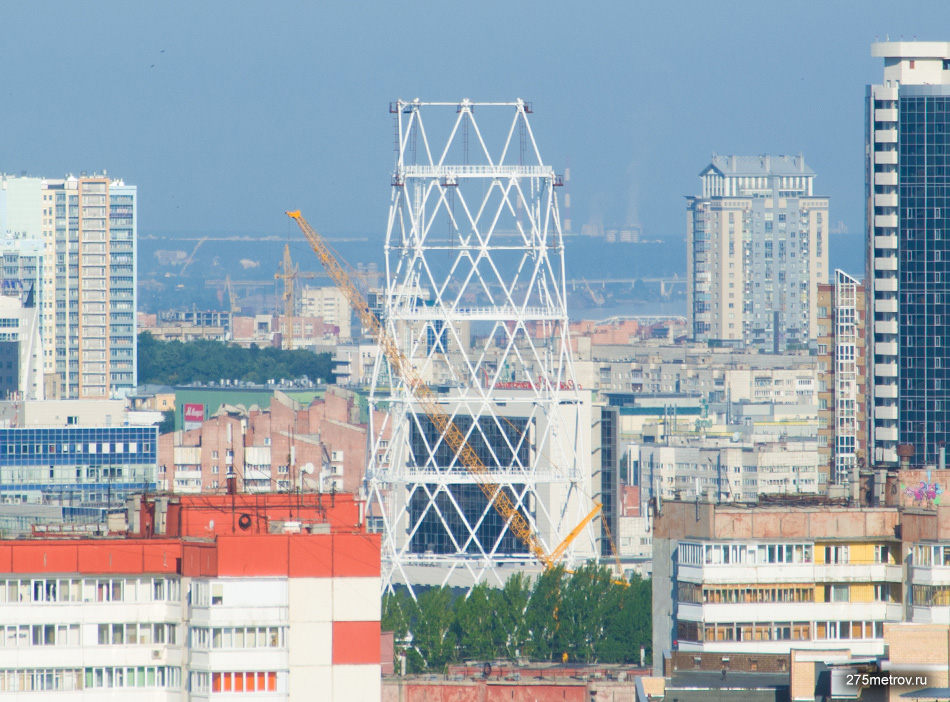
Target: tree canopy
{"points": [[583, 614], [175, 363]]}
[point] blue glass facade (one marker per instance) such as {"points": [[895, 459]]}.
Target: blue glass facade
{"points": [[924, 278], [77, 466], [99, 446]]}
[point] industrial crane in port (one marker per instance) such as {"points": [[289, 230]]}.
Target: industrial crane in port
{"points": [[425, 397]]}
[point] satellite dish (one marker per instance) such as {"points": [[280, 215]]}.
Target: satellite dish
{"points": [[736, 437], [308, 468], [211, 525]]}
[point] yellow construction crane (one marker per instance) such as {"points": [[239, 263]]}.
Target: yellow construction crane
{"points": [[289, 275], [402, 367]]}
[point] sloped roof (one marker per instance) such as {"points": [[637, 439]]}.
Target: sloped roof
{"points": [[758, 166]]}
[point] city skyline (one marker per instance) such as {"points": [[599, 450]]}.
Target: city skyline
{"points": [[632, 119]]}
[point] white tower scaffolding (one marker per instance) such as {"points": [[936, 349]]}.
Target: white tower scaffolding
{"points": [[475, 298]]}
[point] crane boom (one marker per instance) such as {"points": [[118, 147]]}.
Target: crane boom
{"points": [[424, 396]]}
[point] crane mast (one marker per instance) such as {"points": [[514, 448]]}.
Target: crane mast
{"points": [[426, 400], [290, 273]]}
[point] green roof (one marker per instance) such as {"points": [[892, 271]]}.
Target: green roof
{"points": [[213, 398]]}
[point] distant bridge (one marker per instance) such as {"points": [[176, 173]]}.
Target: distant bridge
{"points": [[667, 285]]}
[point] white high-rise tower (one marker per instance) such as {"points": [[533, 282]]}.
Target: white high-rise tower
{"points": [[475, 298]]}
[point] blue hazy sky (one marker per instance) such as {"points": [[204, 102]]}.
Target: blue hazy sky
{"points": [[227, 113]]}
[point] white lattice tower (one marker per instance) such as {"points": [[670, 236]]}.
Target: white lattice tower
{"points": [[475, 297]]}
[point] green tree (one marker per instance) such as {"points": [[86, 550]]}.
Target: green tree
{"points": [[398, 612], [584, 614], [588, 601], [511, 604], [432, 631], [542, 616], [174, 362], [167, 425], [475, 625]]}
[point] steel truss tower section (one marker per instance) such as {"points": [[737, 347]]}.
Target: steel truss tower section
{"points": [[475, 298]]}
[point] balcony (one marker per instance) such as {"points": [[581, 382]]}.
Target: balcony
{"points": [[885, 327], [886, 284], [886, 349], [888, 220], [885, 178], [746, 573], [886, 434], [858, 647], [888, 392], [931, 575], [885, 370], [885, 306], [885, 412], [857, 573], [888, 114], [885, 242], [885, 264], [789, 611], [930, 615], [885, 136], [885, 157], [885, 200]]}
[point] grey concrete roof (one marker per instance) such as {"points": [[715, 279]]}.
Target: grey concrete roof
{"points": [[759, 165], [711, 680], [929, 693]]}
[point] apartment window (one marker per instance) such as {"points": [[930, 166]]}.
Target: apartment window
{"points": [[44, 634], [247, 637], [244, 682], [882, 553], [143, 676], [109, 590], [836, 554], [199, 636], [930, 595], [837, 593]]}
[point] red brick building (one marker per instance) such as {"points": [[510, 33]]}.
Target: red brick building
{"points": [[271, 330], [287, 446]]}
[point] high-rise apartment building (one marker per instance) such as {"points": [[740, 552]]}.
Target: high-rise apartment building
{"points": [[204, 598], [85, 279], [908, 224], [842, 379], [329, 303], [758, 248], [21, 374]]}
